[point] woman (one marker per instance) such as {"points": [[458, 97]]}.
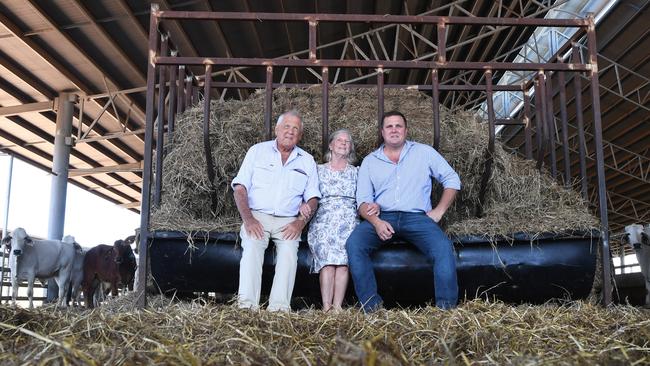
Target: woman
{"points": [[335, 219]]}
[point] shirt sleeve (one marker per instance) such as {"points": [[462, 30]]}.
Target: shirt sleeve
{"points": [[245, 174], [312, 190], [365, 191], [443, 172]]}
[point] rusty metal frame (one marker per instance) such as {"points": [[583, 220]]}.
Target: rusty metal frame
{"points": [[432, 65]]}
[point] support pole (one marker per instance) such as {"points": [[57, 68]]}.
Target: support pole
{"points": [[565, 130], [268, 102], [550, 122], [435, 99], [207, 148], [600, 162], [312, 39], [171, 114], [188, 91], [59, 185], [442, 47], [160, 128], [10, 173], [5, 226], [541, 78], [577, 87], [181, 89], [325, 110], [380, 103], [489, 154], [143, 259], [527, 133]]}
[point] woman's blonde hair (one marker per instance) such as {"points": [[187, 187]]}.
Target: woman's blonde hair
{"points": [[352, 156]]}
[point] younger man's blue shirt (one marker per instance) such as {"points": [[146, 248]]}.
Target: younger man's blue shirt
{"points": [[405, 186]]}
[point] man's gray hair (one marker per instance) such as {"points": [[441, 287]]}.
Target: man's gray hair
{"points": [[352, 156], [293, 113]]}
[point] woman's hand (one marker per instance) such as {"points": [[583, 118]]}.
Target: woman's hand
{"points": [[305, 211], [372, 209]]}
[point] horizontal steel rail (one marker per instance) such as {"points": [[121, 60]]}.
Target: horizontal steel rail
{"points": [[370, 18], [447, 65]]}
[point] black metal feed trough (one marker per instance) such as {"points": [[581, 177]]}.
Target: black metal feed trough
{"points": [[524, 270]]}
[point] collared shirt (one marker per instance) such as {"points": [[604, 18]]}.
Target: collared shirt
{"points": [[273, 188], [405, 186]]}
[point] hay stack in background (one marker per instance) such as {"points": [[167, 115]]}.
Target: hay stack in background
{"points": [[518, 197]]}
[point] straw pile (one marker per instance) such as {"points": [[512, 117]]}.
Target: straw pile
{"points": [[197, 333], [519, 198]]}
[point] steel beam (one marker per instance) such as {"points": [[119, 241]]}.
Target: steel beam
{"points": [[450, 65], [26, 108], [372, 18], [130, 167]]}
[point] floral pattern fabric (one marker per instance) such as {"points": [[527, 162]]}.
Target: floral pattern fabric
{"points": [[335, 218]]}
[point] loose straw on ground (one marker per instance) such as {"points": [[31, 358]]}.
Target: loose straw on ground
{"points": [[478, 332]]}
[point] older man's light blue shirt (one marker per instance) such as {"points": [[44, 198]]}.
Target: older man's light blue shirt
{"points": [[273, 188], [405, 186]]}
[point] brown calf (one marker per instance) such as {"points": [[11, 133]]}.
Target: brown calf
{"points": [[102, 264]]}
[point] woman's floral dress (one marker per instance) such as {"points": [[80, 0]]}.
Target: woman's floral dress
{"points": [[335, 218]]}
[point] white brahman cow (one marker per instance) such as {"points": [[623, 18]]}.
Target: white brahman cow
{"points": [[30, 259], [639, 238], [77, 275]]}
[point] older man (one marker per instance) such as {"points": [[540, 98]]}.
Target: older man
{"points": [[397, 177], [274, 179]]}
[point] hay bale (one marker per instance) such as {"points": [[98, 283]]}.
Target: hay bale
{"points": [[518, 198]]}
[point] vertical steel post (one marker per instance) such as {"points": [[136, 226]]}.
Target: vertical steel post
{"points": [[5, 226], [442, 47], [143, 268], [577, 85], [160, 132], [312, 39], [206, 136], [600, 161], [565, 130], [188, 91], [489, 154], [268, 102], [540, 111], [527, 133], [325, 110], [551, 124], [435, 100], [10, 173], [181, 89], [380, 103], [59, 185], [171, 114], [62, 147]]}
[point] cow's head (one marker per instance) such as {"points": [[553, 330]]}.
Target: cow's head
{"points": [[19, 240], [633, 235], [123, 251]]}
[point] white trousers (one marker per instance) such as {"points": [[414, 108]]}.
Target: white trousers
{"points": [[250, 266]]}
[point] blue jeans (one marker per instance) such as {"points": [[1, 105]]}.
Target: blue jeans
{"points": [[416, 228]]}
